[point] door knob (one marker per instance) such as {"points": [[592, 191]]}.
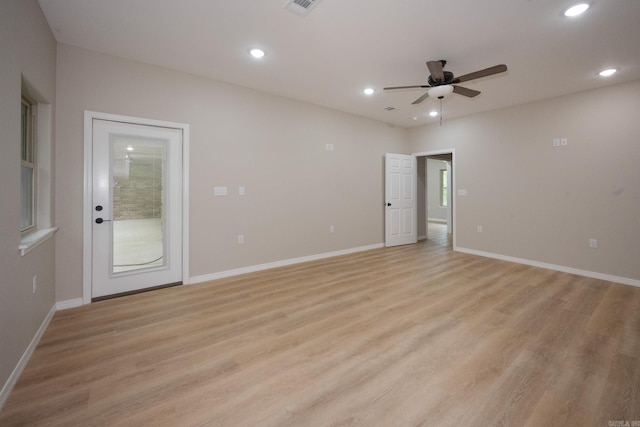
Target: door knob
{"points": [[100, 220], [388, 204], [99, 208]]}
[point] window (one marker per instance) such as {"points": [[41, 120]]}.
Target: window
{"points": [[443, 188], [36, 167], [27, 168]]}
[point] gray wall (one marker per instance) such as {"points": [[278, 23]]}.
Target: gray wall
{"points": [[272, 146], [27, 49], [544, 203]]}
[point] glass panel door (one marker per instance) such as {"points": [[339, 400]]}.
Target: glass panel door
{"points": [[136, 239]]}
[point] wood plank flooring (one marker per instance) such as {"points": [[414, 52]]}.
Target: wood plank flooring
{"points": [[412, 335]]}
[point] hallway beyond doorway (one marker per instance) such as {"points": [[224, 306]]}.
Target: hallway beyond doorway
{"points": [[437, 235]]}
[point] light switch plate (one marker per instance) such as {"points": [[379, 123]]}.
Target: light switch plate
{"points": [[219, 191]]}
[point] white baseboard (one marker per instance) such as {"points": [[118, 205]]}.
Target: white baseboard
{"points": [[70, 303], [269, 265], [17, 371], [571, 270], [423, 237]]}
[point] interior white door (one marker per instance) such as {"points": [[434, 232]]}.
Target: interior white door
{"points": [[137, 207], [401, 199]]}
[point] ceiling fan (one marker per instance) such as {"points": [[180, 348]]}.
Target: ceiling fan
{"points": [[442, 83]]}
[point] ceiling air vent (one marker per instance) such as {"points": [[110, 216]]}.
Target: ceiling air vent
{"points": [[301, 7], [389, 108]]}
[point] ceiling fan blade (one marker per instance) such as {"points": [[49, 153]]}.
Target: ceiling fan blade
{"points": [[435, 68], [407, 87], [422, 98], [465, 91], [482, 73]]}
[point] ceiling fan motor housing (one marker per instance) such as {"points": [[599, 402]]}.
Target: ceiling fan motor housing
{"points": [[448, 78]]}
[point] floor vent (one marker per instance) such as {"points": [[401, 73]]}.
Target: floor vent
{"points": [[301, 7]]}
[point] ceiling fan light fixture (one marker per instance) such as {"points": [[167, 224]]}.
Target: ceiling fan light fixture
{"points": [[440, 92], [576, 9]]}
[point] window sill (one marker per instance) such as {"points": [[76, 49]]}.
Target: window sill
{"points": [[35, 239]]}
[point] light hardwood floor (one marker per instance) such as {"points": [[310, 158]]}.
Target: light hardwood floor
{"points": [[412, 335]]}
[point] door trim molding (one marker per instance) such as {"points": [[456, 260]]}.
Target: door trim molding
{"points": [[453, 191], [87, 238]]}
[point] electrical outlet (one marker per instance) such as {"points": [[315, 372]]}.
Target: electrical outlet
{"points": [[331, 229], [556, 142], [479, 229], [35, 283], [564, 141], [241, 190], [241, 239], [593, 243]]}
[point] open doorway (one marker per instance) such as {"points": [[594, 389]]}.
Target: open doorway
{"points": [[435, 197]]}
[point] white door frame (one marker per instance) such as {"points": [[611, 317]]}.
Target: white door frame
{"points": [[452, 192], [87, 239]]}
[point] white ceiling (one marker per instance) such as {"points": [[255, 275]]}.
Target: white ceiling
{"points": [[342, 46]]}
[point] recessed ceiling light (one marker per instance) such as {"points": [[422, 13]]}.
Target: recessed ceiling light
{"points": [[607, 73], [257, 53], [576, 10], [368, 91], [129, 148], [433, 113], [414, 118]]}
